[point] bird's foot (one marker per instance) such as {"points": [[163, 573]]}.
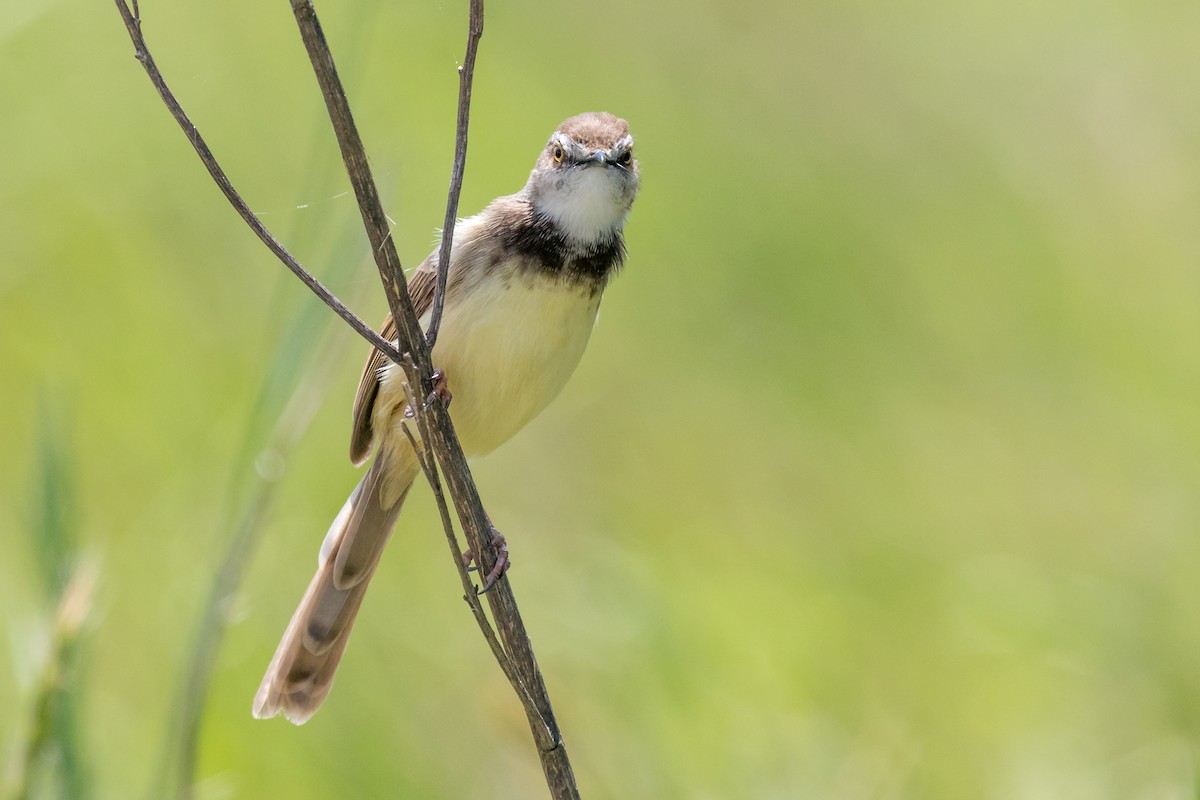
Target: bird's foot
{"points": [[499, 546], [439, 391]]}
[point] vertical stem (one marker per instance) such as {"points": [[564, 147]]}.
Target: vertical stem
{"points": [[466, 74]]}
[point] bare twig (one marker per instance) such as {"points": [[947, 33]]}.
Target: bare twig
{"points": [[133, 24], [441, 438], [556, 765], [470, 594], [466, 74]]}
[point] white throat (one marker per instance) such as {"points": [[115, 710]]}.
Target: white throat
{"points": [[587, 203]]}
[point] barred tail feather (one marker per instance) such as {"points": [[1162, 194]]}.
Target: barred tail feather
{"points": [[301, 673]]}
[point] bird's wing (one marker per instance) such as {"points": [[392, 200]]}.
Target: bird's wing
{"points": [[420, 287]]}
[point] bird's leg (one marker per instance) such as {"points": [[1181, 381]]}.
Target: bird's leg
{"points": [[500, 547]]}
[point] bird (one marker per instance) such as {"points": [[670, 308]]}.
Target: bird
{"points": [[523, 292]]}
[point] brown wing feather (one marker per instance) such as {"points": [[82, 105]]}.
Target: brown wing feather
{"points": [[420, 287]]}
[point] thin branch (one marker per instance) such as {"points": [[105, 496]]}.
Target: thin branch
{"points": [[133, 24], [354, 157], [470, 594], [556, 765], [441, 438], [429, 467], [466, 74]]}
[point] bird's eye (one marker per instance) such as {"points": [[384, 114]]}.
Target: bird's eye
{"points": [[626, 158], [557, 154]]}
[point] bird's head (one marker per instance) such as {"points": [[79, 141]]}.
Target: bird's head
{"points": [[586, 178]]}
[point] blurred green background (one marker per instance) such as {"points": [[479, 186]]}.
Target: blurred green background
{"points": [[879, 479]]}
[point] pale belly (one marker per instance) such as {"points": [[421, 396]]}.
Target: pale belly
{"points": [[507, 350]]}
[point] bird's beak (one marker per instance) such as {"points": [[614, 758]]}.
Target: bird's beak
{"points": [[598, 157]]}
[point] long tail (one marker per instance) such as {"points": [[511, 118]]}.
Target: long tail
{"points": [[302, 670]]}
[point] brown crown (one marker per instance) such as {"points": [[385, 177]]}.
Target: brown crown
{"points": [[595, 129]]}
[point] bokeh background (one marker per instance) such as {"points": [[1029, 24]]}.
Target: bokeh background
{"points": [[880, 479]]}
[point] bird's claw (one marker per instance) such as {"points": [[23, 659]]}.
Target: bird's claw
{"points": [[499, 546], [440, 390]]}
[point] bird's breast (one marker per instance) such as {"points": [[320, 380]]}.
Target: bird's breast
{"points": [[507, 345]]}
